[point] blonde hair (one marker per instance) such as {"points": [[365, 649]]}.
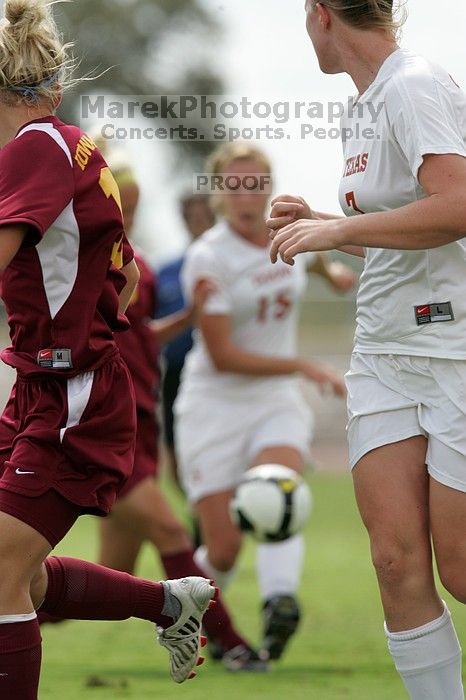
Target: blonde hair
{"points": [[122, 168], [225, 155], [229, 153], [369, 14], [117, 159], [34, 62]]}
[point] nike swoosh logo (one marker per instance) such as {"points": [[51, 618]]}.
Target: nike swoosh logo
{"points": [[20, 471]]}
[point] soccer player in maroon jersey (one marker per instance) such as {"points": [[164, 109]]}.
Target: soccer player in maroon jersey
{"points": [[141, 512], [67, 432]]}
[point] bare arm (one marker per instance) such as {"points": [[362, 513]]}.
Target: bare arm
{"points": [[429, 223], [131, 272], [169, 327], [340, 277], [227, 357], [435, 221], [11, 238], [356, 250], [287, 209]]}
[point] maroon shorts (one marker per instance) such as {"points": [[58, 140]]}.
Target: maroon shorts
{"points": [[74, 437], [146, 458], [38, 517]]}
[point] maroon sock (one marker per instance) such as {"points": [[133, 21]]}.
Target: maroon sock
{"points": [[217, 621], [20, 657], [79, 590]]}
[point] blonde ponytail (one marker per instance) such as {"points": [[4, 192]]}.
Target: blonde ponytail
{"points": [[388, 15], [34, 62]]}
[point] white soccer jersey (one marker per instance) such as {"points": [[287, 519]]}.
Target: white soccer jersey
{"points": [[261, 300], [409, 302]]}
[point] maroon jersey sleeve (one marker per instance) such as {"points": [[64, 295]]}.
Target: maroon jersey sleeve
{"points": [[36, 181], [128, 252]]}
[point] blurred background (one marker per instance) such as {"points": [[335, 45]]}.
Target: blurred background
{"points": [[256, 49], [253, 48]]}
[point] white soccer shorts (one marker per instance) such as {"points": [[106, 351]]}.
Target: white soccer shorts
{"points": [[218, 440], [394, 397]]}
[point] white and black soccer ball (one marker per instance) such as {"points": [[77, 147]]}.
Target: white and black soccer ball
{"points": [[271, 503]]}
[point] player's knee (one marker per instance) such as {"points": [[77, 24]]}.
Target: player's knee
{"points": [[223, 559], [171, 533], [171, 528], [392, 565], [453, 578]]}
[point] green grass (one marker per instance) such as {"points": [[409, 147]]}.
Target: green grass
{"points": [[339, 653]]}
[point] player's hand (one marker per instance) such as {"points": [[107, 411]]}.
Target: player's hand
{"points": [[286, 209], [202, 291], [328, 381], [341, 277], [306, 236]]}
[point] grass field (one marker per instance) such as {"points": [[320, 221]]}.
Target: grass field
{"points": [[339, 653]]}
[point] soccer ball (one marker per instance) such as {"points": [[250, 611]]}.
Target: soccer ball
{"points": [[271, 503]]}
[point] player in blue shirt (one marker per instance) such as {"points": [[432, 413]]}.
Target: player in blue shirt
{"points": [[198, 218]]}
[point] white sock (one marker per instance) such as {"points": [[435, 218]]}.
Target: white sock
{"points": [[279, 567], [428, 659], [221, 578]]}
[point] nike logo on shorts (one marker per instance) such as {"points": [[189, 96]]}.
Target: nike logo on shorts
{"points": [[20, 471]]}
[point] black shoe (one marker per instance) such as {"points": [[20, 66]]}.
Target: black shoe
{"points": [[215, 649], [281, 616], [196, 532], [243, 658]]}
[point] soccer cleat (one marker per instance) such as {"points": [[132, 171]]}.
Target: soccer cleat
{"points": [[281, 618], [183, 639], [243, 658], [215, 649]]}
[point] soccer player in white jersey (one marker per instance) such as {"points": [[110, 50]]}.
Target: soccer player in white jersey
{"points": [[240, 403], [407, 382]]}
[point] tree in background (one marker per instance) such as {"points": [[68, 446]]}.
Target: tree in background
{"points": [[152, 47]]}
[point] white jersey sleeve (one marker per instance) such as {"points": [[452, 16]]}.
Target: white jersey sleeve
{"points": [[200, 263], [422, 109]]}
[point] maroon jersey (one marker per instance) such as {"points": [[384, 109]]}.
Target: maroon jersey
{"points": [[138, 346], [61, 289]]}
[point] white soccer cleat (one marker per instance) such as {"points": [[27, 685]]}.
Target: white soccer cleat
{"points": [[183, 639]]}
